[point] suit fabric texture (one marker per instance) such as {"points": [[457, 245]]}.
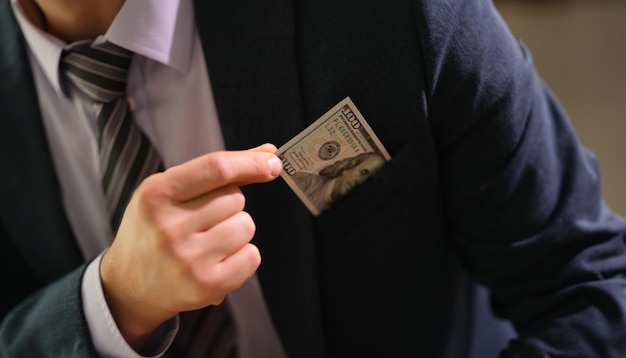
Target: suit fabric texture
{"points": [[487, 180]]}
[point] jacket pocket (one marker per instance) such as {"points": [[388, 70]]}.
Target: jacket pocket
{"points": [[371, 197]]}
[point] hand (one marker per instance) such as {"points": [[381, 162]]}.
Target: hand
{"points": [[184, 240]]}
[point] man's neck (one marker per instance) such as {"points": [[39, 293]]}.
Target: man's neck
{"points": [[72, 20], [33, 13]]}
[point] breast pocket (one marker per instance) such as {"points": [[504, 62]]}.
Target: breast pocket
{"points": [[373, 197], [382, 243]]}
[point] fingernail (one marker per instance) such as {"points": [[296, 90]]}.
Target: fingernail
{"points": [[276, 166]]}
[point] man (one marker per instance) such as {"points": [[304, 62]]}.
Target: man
{"points": [[486, 177]]}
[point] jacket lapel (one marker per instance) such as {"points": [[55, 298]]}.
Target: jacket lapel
{"points": [[252, 67], [31, 207], [251, 56]]}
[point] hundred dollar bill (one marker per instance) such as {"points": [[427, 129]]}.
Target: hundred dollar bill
{"points": [[331, 157]]}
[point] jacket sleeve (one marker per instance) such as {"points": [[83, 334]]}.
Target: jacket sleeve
{"points": [[31, 329], [522, 196]]}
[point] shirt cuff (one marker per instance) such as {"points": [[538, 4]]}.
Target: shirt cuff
{"points": [[106, 337]]}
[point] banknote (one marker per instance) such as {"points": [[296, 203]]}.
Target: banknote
{"points": [[331, 157]]}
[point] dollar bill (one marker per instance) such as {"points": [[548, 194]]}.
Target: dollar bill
{"points": [[331, 157]]}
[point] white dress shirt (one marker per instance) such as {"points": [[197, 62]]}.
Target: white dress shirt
{"points": [[171, 99]]}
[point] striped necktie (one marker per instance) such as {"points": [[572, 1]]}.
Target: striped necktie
{"points": [[126, 158], [126, 154]]}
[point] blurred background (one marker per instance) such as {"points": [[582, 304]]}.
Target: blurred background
{"points": [[579, 48]]}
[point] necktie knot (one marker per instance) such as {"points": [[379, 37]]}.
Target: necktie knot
{"points": [[100, 71], [126, 155]]}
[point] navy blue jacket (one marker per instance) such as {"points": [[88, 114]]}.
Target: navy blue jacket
{"points": [[488, 184]]}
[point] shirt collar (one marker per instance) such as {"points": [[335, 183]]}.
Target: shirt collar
{"points": [[45, 48], [159, 30]]}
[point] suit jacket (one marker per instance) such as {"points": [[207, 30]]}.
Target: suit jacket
{"points": [[486, 178]]}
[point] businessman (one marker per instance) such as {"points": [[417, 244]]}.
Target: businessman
{"points": [[487, 184]]}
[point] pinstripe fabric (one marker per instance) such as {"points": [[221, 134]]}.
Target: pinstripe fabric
{"points": [[206, 333], [126, 154]]}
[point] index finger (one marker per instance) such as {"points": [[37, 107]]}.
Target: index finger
{"points": [[217, 169]]}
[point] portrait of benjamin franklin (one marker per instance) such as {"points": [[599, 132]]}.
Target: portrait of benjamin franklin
{"points": [[337, 180]]}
